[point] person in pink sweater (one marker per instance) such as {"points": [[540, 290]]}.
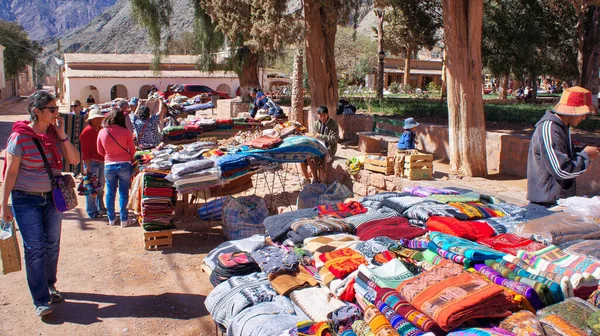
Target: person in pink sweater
{"points": [[115, 143]]}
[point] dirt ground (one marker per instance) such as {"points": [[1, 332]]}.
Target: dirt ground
{"points": [[112, 286]]}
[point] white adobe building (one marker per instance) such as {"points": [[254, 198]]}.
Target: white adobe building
{"points": [[108, 76]]}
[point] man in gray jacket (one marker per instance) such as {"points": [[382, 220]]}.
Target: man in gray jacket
{"points": [[553, 162]]}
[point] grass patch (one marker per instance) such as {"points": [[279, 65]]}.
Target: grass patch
{"points": [[528, 114]]}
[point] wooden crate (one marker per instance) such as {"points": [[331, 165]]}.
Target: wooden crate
{"points": [[155, 240], [385, 166], [418, 167]]}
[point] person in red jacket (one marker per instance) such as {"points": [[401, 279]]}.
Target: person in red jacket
{"points": [[93, 163]]}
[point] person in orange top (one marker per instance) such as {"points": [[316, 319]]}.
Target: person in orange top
{"points": [[93, 163]]}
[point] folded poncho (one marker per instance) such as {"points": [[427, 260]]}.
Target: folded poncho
{"points": [[465, 248], [267, 318], [181, 169], [452, 296], [394, 228], [424, 191], [273, 259], [306, 228], [278, 225], [231, 297], [390, 275], [401, 204], [471, 230], [371, 215], [316, 302]]}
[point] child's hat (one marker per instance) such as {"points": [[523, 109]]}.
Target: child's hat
{"points": [[410, 123]]}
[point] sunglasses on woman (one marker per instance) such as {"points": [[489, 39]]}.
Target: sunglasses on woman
{"points": [[52, 109]]}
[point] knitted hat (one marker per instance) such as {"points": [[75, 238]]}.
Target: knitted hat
{"points": [[575, 101]]}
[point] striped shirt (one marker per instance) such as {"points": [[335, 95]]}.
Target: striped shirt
{"points": [[32, 174]]}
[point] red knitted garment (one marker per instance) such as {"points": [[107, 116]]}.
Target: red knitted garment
{"points": [[342, 262], [511, 244], [394, 228], [472, 230]]}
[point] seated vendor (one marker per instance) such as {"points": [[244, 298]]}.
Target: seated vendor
{"points": [[327, 130], [260, 101]]}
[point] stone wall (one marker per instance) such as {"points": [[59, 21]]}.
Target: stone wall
{"points": [[229, 108]]}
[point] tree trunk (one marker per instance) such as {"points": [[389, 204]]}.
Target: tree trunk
{"points": [[462, 34], [443, 89], [297, 110], [406, 81], [534, 87], [321, 26], [380, 52], [503, 90], [588, 50], [248, 74]]}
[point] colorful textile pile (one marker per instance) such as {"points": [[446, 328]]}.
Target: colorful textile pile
{"points": [[226, 123], [264, 142], [341, 210], [471, 230], [339, 263], [511, 244], [394, 228], [192, 131], [232, 264], [452, 296], [174, 133], [306, 228], [158, 202]]}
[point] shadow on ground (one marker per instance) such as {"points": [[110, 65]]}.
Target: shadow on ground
{"points": [[89, 308]]}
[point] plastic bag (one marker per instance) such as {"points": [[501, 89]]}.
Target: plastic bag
{"points": [[588, 208], [7, 229]]}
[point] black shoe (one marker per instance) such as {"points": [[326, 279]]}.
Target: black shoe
{"points": [[55, 296]]}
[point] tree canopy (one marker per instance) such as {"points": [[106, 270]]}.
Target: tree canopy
{"points": [[520, 38], [20, 51], [411, 25]]}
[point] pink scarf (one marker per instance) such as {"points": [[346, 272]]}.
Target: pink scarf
{"points": [[48, 140]]}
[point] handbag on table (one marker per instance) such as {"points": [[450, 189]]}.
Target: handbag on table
{"points": [[63, 186]]}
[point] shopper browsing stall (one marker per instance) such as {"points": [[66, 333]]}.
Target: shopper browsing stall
{"points": [[26, 180], [93, 162], [115, 143], [553, 162]]}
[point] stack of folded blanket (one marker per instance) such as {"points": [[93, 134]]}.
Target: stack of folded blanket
{"points": [[192, 131], [174, 133], [158, 202], [232, 264], [226, 123], [195, 175]]}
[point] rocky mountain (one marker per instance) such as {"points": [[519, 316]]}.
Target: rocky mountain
{"points": [[116, 31], [45, 20]]}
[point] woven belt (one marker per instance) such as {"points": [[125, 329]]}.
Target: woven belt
{"points": [[34, 193]]}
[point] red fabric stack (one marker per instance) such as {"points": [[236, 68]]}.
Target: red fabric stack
{"points": [[471, 230], [509, 243], [264, 142], [341, 210], [394, 228]]}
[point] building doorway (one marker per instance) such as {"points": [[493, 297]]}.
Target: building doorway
{"points": [[144, 90], [118, 91]]}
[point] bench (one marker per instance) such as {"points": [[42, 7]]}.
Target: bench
{"points": [[380, 139]]}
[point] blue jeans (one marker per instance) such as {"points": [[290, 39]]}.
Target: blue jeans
{"points": [[40, 226], [95, 204], [118, 175]]}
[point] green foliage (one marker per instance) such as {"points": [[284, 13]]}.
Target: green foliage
{"points": [[411, 25], [394, 87], [20, 51], [529, 36], [153, 15], [355, 55], [433, 88]]}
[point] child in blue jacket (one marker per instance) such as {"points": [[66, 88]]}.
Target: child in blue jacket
{"points": [[408, 140]]}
